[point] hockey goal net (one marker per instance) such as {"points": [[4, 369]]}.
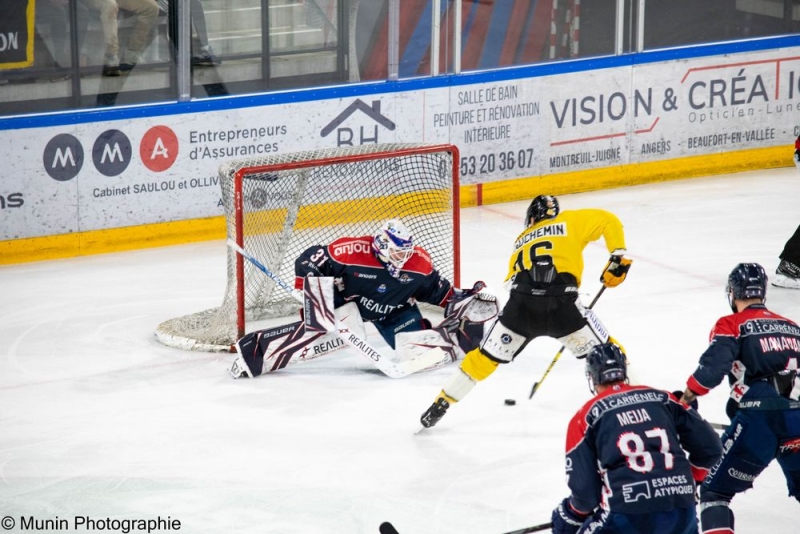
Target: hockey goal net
{"points": [[278, 206]]}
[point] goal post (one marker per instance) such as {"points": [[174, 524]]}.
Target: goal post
{"points": [[279, 205]]}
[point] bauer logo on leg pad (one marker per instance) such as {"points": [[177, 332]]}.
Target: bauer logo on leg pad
{"points": [[318, 304]]}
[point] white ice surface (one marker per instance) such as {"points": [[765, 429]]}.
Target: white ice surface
{"points": [[98, 419]]}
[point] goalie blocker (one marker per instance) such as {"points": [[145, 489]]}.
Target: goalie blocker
{"points": [[269, 350]]}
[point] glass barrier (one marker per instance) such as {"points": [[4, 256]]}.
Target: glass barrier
{"points": [[96, 53], [686, 22], [306, 45]]}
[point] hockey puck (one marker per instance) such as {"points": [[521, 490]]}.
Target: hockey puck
{"points": [[387, 528], [510, 402]]}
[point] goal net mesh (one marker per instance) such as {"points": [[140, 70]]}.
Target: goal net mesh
{"points": [[290, 202]]}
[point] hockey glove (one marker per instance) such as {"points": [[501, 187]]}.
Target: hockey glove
{"points": [[460, 294], [616, 269], [433, 414], [567, 520], [679, 395]]}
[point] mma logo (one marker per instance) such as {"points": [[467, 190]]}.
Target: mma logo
{"points": [[632, 492]]}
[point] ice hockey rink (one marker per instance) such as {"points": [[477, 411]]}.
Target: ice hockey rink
{"points": [[99, 420]]}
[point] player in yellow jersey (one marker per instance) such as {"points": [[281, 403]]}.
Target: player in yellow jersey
{"points": [[544, 274]]}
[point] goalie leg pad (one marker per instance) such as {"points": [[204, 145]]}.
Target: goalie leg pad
{"points": [[265, 351], [408, 320], [349, 317], [433, 345], [318, 309]]}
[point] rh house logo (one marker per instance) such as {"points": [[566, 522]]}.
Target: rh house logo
{"points": [[346, 136]]}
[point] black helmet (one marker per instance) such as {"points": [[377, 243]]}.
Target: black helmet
{"points": [[746, 281], [605, 364], [542, 207]]}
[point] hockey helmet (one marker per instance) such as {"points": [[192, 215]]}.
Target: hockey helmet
{"points": [[605, 363], [541, 207], [746, 281], [393, 245]]}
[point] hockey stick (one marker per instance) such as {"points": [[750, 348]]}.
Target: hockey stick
{"points": [[535, 528], [558, 354], [384, 364], [388, 528]]}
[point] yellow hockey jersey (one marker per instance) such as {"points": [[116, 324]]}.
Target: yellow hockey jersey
{"points": [[563, 238]]}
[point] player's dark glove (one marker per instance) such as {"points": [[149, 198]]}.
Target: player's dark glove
{"points": [[433, 414], [679, 395], [616, 269], [566, 520]]}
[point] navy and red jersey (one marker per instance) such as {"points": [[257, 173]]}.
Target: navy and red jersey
{"points": [[362, 278], [750, 347], [627, 452]]}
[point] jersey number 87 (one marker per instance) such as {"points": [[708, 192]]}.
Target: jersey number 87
{"points": [[639, 459]]}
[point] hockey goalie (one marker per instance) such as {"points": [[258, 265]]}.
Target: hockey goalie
{"points": [[375, 279]]}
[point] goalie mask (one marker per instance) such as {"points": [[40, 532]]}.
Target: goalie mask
{"points": [[605, 364], [541, 207], [746, 281], [393, 246]]}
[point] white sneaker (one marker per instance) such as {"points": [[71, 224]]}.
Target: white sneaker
{"points": [[781, 280]]}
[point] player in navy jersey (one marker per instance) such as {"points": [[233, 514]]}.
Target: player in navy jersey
{"points": [[627, 465], [759, 352], [377, 279]]}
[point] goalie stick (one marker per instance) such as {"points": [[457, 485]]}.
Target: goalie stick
{"points": [[384, 364], [558, 354]]}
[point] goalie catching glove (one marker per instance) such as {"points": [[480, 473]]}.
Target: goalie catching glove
{"points": [[459, 295], [616, 269]]}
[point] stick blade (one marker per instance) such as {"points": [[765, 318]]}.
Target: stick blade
{"points": [[387, 528]]}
